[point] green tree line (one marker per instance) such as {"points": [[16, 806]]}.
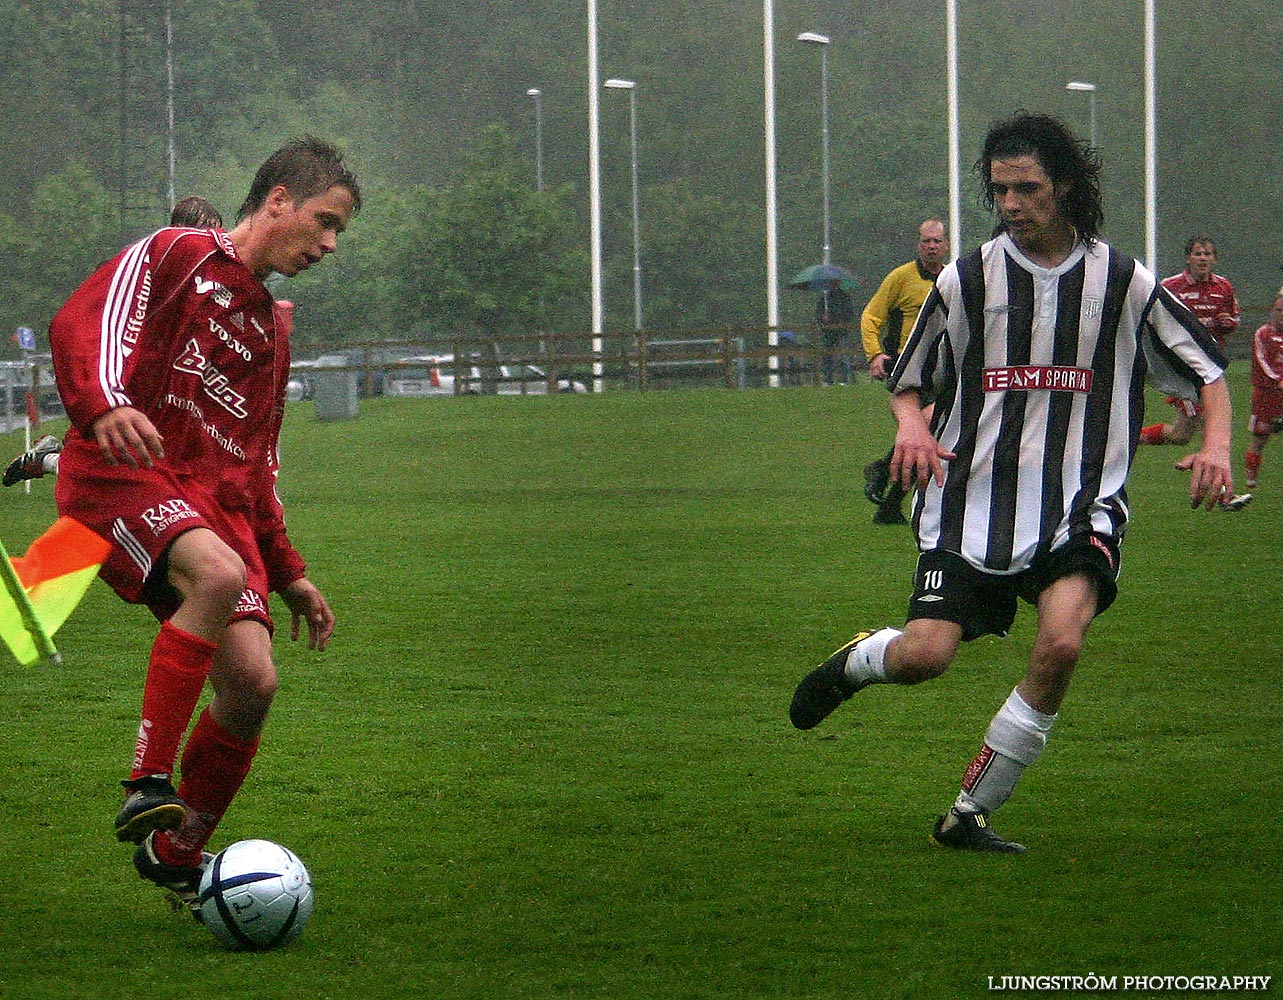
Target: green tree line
{"points": [[428, 98]]}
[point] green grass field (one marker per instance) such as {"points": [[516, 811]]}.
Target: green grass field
{"points": [[547, 753]]}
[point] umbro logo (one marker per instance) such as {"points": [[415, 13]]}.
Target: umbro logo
{"points": [[927, 598]]}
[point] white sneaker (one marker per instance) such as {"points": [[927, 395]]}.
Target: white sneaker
{"points": [[1237, 502]]}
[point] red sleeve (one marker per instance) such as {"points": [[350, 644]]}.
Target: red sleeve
{"points": [[89, 349], [284, 564], [102, 332]]}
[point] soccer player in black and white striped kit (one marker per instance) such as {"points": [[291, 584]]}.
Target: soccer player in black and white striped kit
{"points": [[1034, 349]]}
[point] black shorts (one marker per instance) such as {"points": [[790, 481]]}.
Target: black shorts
{"points": [[948, 588]]}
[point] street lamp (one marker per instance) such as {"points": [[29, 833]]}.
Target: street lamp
{"points": [[1090, 90], [772, 227], [811, 38], [631, 87], [537, 94]]}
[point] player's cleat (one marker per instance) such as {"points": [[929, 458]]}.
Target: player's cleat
{"points": [[31, 464], [150, 804], [824, 688], [1237, 502], [887, 514], [183, 884], [970, 831], [876, 476]]}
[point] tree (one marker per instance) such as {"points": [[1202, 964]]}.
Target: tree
{"points": [[72, 228], [489, 254]]}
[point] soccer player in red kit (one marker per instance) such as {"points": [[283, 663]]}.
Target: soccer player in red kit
{"points": [[1211, 298], [172, 367], [1267, 389]]}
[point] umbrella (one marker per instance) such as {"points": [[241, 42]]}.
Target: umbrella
{"points": [[817, 276]]}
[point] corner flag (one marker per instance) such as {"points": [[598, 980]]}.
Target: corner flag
{"points": [[43, 587]]}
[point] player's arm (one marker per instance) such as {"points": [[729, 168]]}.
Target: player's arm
{"points": [[94, 338], [1227, 320], [918, 456], [126, 436], [308, 604], [872, 320], [1211, 480]]}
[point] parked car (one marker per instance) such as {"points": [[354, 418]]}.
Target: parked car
{"points": [[436, 374], [302, 383]]}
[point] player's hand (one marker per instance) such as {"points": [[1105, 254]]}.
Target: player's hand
{"points": [[1224, 321], [1211, 482], [918, 457], [878, 367], [126, 436], [307, 603]]}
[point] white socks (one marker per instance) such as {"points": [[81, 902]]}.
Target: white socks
{"points": [[1015, 739], [866, 663]]}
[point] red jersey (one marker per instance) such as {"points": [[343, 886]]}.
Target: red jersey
{"points": [[1206, 300], [177, 327], [1267, 358]]}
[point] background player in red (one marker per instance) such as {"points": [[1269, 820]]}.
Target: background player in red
{"points": [[172, 367], [1210, 297], [1267, 392]]}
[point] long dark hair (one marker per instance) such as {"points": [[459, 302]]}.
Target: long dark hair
{"points": [[1068, 161]]}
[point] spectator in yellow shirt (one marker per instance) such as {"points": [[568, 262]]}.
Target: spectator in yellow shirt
{"points": [[885, 325]]}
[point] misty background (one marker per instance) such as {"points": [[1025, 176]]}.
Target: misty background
{"points": [[429, 101]]}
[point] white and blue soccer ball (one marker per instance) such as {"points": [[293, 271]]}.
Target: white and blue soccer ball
{"points": [[255, 895]]}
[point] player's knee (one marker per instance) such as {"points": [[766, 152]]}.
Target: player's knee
{"points": [[261, 689], [1059, 652], [214, 574], [922, 657], [1179, 435]]}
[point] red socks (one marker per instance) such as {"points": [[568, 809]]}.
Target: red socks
{"points": [[176, 675], [215, 764], [1153, 434], [1252, 460]]}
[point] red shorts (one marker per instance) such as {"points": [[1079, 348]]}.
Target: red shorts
{"points": [[140, 512], [1267, 407], [1188, 407]]}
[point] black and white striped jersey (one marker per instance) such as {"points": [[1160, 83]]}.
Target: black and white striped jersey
{"points": [[1037, 376]]}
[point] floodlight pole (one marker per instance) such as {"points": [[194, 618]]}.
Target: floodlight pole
{"points": [[631, 87], [822, 41], [1090, 90], [1151, 142], [594, 192], [171, 154], [537, 94], [772, 238]]}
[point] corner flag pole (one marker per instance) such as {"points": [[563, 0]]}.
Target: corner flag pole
{"points": [[13, 586]]}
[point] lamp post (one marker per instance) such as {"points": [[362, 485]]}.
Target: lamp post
{"points": [[951, 99], [171, 155], [772, 234], [631, 87], [1090, 90], [594, 193], [822, 41], [537, 94]]}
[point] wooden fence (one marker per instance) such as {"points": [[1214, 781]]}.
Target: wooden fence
{"points": [[736, 358]]}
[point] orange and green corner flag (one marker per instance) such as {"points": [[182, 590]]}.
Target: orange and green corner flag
{"points": [[43, 587]]}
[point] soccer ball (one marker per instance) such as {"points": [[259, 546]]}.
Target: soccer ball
{"points": [[255, 895]]}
